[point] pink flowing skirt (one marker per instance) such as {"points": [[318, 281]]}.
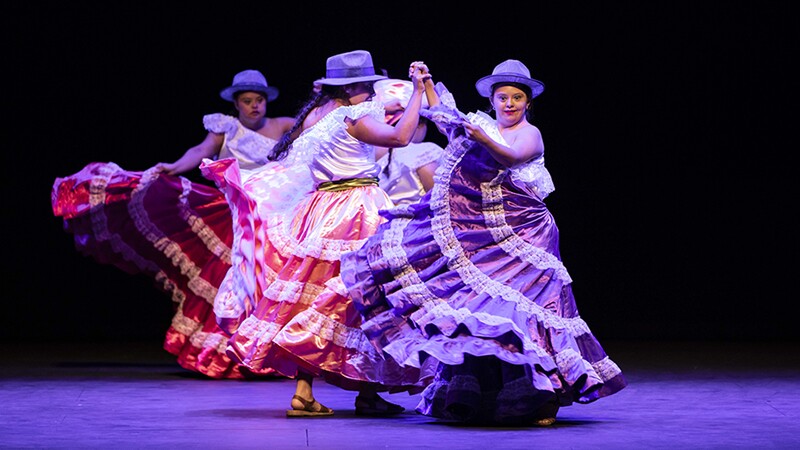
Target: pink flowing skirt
{"points": [[285, 306]]}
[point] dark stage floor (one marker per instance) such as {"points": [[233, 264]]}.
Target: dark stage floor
{"points": [[133, 395]]}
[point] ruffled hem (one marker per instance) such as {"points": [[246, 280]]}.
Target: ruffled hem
{"points": [[473, 271], [486, 391], [164, 227], [323, 339], [283, 303]]}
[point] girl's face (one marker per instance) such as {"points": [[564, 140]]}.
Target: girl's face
{"points": [[510, 104], [252, 105]]}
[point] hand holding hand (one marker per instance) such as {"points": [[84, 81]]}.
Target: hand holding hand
{"points": [[418, 65], [419, 73]]}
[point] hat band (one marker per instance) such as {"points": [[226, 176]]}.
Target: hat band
{"points": [[350, 72]]}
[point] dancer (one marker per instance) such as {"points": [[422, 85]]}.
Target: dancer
{"points": [[248, 138], [178, 232], [406, 172], [289, 311], [471, 276]]}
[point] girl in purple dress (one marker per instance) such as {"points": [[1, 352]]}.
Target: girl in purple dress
{"points": [[471, 276]]}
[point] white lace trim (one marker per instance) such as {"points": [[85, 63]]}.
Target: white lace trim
{"points": [[185, 325], [432, 307], [97, 197], [254, 329], [182, 324], [340, 334], [504, 236], [198, 338], [532, 174], [306, 145], [219, 123], [231, 301], [325, 249], [170, 248], [570, 361], [205, 340], [285, 291], [311, 321], [606, 369]]}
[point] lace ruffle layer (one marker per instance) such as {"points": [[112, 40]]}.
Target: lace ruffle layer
{"points": [[165, 227], [475, 271]]}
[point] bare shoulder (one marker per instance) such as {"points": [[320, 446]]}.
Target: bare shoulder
{"points": [[284, 123], [530, 135], [525, 133], [532, 130]]}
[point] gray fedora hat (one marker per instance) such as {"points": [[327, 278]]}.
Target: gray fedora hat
{"points": [[249, 80], [350, 67], [509, 71]]}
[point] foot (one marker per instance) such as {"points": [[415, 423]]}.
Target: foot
{"points": [[376, 407], [546, 422], [307, 408]]}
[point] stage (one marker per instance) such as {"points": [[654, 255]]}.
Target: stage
{"points": [[688, 395]]}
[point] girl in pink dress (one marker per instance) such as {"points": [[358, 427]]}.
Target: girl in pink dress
{"points": [[285, 306]]}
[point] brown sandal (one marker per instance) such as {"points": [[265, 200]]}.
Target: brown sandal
{"points": [[310, 408], [546, 422]]}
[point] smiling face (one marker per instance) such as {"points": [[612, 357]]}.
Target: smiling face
{"points": [[510, 104]]}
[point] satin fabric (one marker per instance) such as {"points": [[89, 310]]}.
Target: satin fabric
{"points": [[283, 303], [399, 177], [471, 277], [166, 227]]}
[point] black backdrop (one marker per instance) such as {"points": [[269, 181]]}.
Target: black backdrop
{"points": [[662, 122]]}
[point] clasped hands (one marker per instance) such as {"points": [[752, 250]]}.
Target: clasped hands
{"points": [[418, 70]]}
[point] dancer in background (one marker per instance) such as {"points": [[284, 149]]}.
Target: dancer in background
{"points": [[180, 233], [406, 172], [471, 276], [248, 138]]}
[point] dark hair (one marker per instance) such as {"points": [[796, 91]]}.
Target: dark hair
{"points": [[388, 160], [523, 87]]}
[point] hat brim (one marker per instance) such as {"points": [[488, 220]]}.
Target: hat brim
{"points": [[484, 85], [270, 92], [344, 81]]}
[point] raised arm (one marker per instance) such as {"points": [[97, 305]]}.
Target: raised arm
{"points": [[379, 133], [430, 92]]}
